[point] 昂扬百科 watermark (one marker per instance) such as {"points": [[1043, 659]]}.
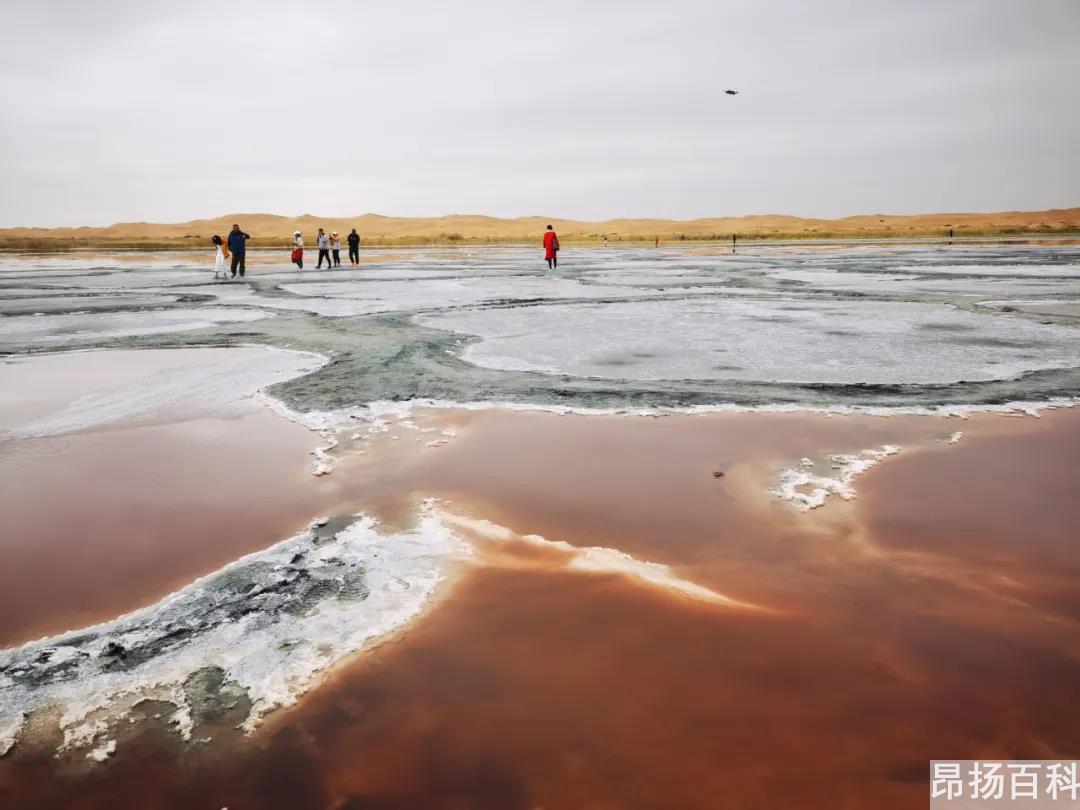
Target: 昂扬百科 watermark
{"points": [[957, 783]]}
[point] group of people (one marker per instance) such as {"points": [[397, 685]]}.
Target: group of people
{"points": [[234, 247], [231, 252], [329, 249]]}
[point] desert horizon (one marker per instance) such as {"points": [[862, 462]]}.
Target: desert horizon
{"points": [[452, 228]]}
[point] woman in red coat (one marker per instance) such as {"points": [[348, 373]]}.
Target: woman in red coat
{"points": [[551, 248]]}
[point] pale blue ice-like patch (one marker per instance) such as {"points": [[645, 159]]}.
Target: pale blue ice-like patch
{"points": [[20, 330], [213, 382], [776, 340]]}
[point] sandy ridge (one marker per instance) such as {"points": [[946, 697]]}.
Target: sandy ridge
{"points": [[462, 228]]}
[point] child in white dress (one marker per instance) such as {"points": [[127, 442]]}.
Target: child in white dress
{"points": [[219, 259]]}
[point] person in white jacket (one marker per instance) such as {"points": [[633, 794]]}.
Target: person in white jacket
{"points": [[322, 242], [335, 248]]}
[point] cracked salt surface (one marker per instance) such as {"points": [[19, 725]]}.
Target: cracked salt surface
{"points": [[780, 340], [979, 284], [58, 302], [21, 330], [998, 269], [102, 279], [395, 296], [1059, 307], [638, 352]]}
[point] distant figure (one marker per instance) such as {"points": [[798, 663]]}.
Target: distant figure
{"points": [[354, 248], [605, 240], [322, 242], [551, 248], [238, 249], [658, 241], [298, 250], [222, 253], [335, 245]]}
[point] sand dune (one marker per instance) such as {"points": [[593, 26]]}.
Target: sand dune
{"points": [[375, 228]]}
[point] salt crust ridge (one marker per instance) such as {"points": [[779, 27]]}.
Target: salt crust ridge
{"points": [[378, 415], [271, 621]]}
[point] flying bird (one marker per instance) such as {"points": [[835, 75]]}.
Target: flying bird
{"points": [[732, 92]]}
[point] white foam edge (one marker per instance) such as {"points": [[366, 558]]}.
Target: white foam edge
{"points": [[793, 481], [103, 751], [377, 412], [10, 729]]}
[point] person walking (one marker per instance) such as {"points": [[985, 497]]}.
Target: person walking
{"points": [[298, 250], [221, 254], [322, 242], [551, 248], [238, 249], [354, 248], [335, 245]]}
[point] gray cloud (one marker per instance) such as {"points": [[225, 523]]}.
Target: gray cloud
{"points": [[120, 110]]}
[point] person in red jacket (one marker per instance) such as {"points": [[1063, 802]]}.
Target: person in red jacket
{"points": [[551, 248]]}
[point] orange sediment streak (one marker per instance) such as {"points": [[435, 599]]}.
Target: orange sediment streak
{"points": [[599, 560]]}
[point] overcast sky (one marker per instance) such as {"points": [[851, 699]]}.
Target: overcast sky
{"points": [[119, 110]]}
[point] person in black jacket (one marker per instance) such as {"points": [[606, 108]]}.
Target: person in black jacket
{"points": [[354, 248], [238, 247]]}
